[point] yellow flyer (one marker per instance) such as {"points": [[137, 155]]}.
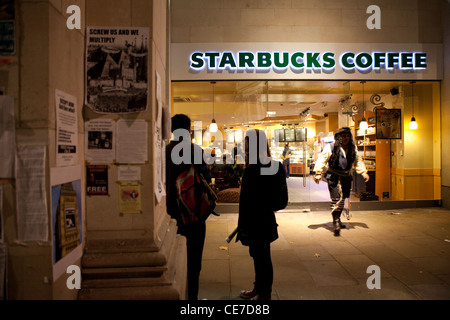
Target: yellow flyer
{"points": [[130, 197]]}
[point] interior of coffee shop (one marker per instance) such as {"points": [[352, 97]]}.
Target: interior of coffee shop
{"points": [[303, 116]]}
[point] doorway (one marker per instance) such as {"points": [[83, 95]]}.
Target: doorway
{"points": [[319, 108]]}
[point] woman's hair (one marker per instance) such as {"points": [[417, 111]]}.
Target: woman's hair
{"points": [[351, 154], [256, 148]]}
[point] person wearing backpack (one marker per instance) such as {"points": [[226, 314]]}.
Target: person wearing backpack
{"points": [[263, 191], [178, 162], [340, 157]]}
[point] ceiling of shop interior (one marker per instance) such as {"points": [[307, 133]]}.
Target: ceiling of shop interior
{"points": [[240, 102]]}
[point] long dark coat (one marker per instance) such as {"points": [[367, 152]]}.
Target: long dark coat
{"points": [[258, 196]]}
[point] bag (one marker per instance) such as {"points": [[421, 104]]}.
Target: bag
{"points": [[196, 200], [368, 196], [280, 191]]}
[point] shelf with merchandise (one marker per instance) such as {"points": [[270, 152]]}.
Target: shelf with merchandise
{"points": [[376, 156]]}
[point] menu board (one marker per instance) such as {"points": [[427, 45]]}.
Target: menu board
{"points": [[301, 134], [280, 134], [290, 135]]}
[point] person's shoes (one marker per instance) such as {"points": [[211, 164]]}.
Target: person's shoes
{"points": [[337, 223], [337, 228], [337, 232], [246, 294], [257, 297]]}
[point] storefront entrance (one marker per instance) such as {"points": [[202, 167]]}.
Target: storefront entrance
{"points": [[302, 117]]}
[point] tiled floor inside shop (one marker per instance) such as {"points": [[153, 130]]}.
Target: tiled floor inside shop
{"points": [[306, 190], [410, 246]]}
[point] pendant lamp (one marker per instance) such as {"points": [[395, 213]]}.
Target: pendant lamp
{"points": [[268, 113], [363, 125], [213, 125], [413, 123]]}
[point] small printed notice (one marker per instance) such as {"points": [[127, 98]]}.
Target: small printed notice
{"points": [[129, 173], [32, 215], [130, 197], [100, 137], [132, 141], [66, 129], [158, 154], [97, 180]]}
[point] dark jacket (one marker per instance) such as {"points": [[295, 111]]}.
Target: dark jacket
{"points": [[257, 220], [172, 172]]}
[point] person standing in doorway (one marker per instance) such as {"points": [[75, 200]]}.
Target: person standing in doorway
{"points": [[340, 157], [286, 155], [263, 191], [194, 233]]}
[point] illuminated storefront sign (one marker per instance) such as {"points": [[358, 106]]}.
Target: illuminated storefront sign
{"points": [[297, 61], [279, 61]]}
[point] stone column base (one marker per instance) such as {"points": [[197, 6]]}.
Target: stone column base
{"points": [[134, 269]]}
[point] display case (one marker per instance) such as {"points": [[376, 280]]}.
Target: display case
{"points": [[296, 159]]}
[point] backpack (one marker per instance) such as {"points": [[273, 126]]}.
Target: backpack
{"points": [[196, 199]]}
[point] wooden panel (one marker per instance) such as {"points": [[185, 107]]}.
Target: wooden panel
{"points": [[296, 168], [383, 165]]}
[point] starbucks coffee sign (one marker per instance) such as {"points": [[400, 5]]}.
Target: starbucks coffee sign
{"points": [[248, 61], [279, 61]]}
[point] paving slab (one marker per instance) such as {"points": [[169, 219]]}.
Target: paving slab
{"points": [[411, 247]]}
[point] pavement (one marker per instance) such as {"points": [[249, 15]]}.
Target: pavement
{"points": [[404, 252]]}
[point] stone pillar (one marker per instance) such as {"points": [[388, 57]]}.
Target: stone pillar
{"points": [[445, 105], [139, 255], [48, 56]]}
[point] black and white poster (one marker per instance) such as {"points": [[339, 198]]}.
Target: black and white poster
{"points": [[116, 69], [66, 129], [100, 141]]}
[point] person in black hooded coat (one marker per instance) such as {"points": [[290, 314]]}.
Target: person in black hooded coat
{"points": [[341, 157], [263, 191]]}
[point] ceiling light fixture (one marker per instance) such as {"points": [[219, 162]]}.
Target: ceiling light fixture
{"points": [[213, 125], [363, 125], [305, 114], [268, 113], [413, 123]]}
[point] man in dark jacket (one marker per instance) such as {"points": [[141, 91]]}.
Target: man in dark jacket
{"points": [[180, 154], [286, 156]]}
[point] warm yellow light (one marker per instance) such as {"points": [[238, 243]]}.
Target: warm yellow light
{"points": [[413, 124], [213, 126], [363, 125]]}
